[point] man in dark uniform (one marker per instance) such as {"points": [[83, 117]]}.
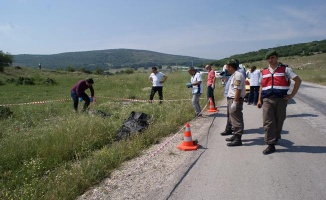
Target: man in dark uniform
{"points": [[78, 92], [275, 83], [235, 97]]}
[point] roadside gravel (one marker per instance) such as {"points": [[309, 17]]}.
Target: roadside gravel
{"points": [[154, 173]]}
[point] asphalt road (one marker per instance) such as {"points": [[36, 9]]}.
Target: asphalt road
{"points": [[297, 170]]}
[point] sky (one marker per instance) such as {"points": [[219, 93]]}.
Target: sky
{"points": [[212, 29]]}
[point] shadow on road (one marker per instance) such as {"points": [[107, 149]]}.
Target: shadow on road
{"points": [[215, 115], [290, 147], [248, 138], [252, 142], [259, 130], [287, 144], [292, 101]]}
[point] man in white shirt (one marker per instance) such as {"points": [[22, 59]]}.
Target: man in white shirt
{"points": [[254, 76], [157, 79], [196, 88]]}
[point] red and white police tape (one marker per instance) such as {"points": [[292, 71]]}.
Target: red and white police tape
{"points": [[63, 100]]}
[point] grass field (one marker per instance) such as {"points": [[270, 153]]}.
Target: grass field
{"points": [[49, 152]]}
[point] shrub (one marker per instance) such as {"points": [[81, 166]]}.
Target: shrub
{"points": [[25, 81], [10, 80], [5, 112], [49, 81]]}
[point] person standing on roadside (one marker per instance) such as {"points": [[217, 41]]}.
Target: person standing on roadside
{"points": [[196, 88], [210, 83], [273, 97], [78, 93], [228, 127], [157, 79], [254, 76], [235, 99]]}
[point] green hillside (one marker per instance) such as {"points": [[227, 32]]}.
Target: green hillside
{"points": [[106, 59], [130, 58], [302, 49]]}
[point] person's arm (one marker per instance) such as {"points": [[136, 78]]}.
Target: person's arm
{"points": [[163, 79], [92, 90], [196, 83], [237, 95], [213, 78], [297, 83], [198, 80], [238, 83], [259, 103], [236, 99]]}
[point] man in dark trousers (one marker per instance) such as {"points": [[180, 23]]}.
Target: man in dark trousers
{"points": [[228, 127], [210, 83], [78, 93], [273, 97], [157, 79], [235, 97]]}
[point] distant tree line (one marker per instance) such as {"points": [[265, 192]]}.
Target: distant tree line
{"points": [[302, 49]]}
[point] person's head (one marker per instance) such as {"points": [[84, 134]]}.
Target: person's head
{"points": [[232, 65], [253, 68], [89, 81], [208, 67], [154, 70], [192, 70], [271, 56]]}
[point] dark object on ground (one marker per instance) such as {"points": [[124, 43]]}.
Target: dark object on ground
{"points": [[135, 124], [5, 112], [99, 113], [49, 81]]}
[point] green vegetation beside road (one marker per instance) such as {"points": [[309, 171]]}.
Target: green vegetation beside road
{"points": [[49, 152], [309, 68]]}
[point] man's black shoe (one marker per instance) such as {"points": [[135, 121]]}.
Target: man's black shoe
{"points": [[230, 139], [236, 142], [270, 149], [224, 133]]}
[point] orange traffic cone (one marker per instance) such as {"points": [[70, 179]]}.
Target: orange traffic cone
{"points": [[211, 106], [188, 143]]}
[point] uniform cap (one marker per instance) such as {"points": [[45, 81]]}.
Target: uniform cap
{"points": [[270, 53]]}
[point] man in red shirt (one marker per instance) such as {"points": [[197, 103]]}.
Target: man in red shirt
{"points": [[210, 83], [78, 92]]}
